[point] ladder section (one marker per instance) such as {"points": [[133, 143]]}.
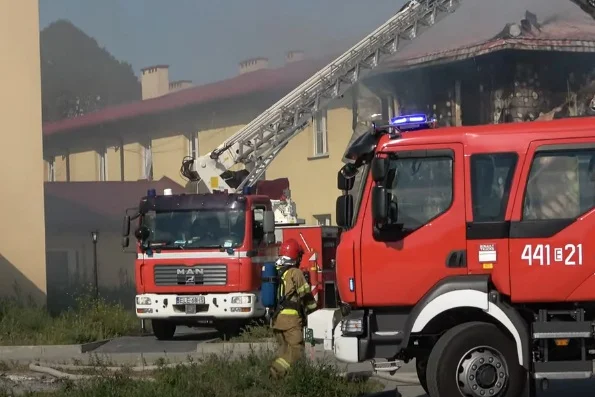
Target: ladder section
{"points": [[562, 330], [258, 143]]}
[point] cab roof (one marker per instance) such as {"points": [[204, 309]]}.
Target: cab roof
{"points": [[494, 137]]}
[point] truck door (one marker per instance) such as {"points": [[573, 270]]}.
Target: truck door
{"points": [[427, 187], [553, 223]]}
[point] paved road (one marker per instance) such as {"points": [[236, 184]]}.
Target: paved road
{"points": [[185, 341]]}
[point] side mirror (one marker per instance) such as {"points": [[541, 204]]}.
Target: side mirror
{"points": [[344, 211], [126, 226], [379, 168], [142, 233], [346, 177], [268, 223], [380, 205], [125, 242]]}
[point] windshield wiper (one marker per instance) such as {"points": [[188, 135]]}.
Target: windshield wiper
{"points": [[167, 244]]}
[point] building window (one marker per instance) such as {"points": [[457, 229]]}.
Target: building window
{"points": [[51, 169], [193, 145], [323, 220], [491, 179], [320, 134], [560, 184], [102, 155], [147, 171]]}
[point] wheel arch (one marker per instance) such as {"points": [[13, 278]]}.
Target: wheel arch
{"points": [[469, 293]]}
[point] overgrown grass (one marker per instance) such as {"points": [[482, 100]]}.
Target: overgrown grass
{"points": [[255, 332], [88, 321], [217, 376]]}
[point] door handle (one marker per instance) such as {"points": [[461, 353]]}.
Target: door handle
{"points": [[456, 259]]}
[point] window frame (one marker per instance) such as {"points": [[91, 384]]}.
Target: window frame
{"points": [[508, 185], [445, 153], [321, 121], [328, 217], [552, 150]]}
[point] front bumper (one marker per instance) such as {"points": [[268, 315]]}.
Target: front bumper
{"points": [[325, 326], [216, 306]]}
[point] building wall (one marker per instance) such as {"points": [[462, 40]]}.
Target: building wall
{"points": [[22, 236], [70, 267]]}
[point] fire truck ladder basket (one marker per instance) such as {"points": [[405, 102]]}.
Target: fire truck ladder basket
{"points": [[259, 142]]}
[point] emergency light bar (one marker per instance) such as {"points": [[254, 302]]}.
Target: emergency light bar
{"points": [[412, 122]]}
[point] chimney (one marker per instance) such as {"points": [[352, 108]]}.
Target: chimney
{"points": [[253, 64], [294, 56], [154, 81], [179, 85]]}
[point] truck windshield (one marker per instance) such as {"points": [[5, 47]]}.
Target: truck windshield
{"points": [[196, 229]]}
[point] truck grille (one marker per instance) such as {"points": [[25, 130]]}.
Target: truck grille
{"points": [[207, 274]]}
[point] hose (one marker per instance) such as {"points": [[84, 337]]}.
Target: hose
{"points": [[52, 370]]}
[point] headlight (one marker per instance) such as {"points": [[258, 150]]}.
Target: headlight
{"points": [[241, 300], [143, 300], [352, 326]]}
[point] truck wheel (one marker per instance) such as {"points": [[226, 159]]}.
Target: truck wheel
{"points": [[477, 360], [421, 366], [163, 330]]}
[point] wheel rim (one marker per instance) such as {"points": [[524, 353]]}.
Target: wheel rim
{"points": [[482, 372]]}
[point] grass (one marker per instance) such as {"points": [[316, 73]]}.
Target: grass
{"points": [[219, 376], [256, 332], [90, 320]]}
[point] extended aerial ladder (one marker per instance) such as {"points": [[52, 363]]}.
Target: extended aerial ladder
{"points": [[259, 142]]}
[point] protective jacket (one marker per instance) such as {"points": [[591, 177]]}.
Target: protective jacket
{"points": [[295, 299]]}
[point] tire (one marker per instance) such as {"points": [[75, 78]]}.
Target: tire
{"points": [[163, 329], [421, 366], [478, 354]]}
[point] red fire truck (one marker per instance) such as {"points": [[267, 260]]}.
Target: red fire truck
{"points": [[199, 257], [469, 252]]}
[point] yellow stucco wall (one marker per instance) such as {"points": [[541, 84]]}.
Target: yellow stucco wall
{"points": [[83, 166], [133, 158], [113, 163], [312, 180], [22, 237], [168, 153]]}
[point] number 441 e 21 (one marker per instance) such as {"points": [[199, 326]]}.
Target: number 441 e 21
{"points": [[546, 254]]}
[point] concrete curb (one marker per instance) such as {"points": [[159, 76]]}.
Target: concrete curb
{"points": [[49, 350], [239, 348]]}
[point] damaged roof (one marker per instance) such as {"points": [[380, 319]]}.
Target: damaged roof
{"points": [[479, 27]]}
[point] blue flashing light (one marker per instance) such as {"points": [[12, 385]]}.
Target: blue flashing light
{"points": [[151, 193], [246, 190], [412, 121]]}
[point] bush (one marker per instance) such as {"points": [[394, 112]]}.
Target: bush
{"points": [[217, 376], [90, 320], [255, 332]]}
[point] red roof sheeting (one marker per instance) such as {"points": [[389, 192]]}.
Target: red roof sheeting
{"points": [[287, 78]]}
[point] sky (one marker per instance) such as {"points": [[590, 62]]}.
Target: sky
{"points": [[204, 40]]}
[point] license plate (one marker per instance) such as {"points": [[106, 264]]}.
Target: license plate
{"points": [[190, 300]]}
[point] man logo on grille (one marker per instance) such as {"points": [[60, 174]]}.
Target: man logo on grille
{"points": [[190, 276]]}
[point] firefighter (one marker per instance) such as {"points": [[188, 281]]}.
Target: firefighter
{"points": [[295, 302]]}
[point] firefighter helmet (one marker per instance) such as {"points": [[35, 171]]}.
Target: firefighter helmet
{"points": [[290, 250]]}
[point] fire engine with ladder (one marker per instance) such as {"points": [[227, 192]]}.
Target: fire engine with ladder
{"points": [[199, 256]]}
